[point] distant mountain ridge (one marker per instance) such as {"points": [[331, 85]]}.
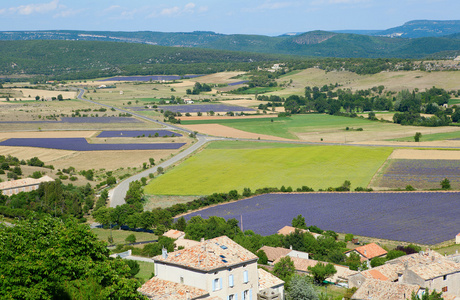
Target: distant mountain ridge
{"points": [[414, 39], [422, 28]]}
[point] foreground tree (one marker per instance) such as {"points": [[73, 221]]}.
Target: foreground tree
{"points": [[52, 259], [427, 296], [284, 269], [301, 288]]}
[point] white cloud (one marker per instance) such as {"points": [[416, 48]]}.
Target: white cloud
{"points": [[270, 5], [35, 8], [68, 13], [189, 8]]}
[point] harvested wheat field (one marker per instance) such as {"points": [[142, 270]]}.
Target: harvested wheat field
{"points": [[425, 154], [225, 131], [109, 160], [46, 134], [44, 94]]}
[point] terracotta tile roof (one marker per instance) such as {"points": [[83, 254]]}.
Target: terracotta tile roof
{"points": [[160, 289], [370, 251], [273, 253], [427, 265], [23, 182], [209, 255], [174, 234], [268, 280], [384, 290], [287, 230]]}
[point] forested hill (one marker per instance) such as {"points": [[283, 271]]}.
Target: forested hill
{"points": [[88, 59], [315, 43], [422, 28]]}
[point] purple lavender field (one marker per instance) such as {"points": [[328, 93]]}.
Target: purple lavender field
{"points": [[151, 77], [417, 217], [136, 133], [193, 108], [422, 174], [238, 82], [81, 144]]}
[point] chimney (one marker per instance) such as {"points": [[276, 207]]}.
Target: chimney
{"points": [[164, 253], [365, 252], [290, 247], [203, 245]]}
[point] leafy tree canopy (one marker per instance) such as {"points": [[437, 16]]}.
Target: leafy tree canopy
{"points": [[50, 259]]}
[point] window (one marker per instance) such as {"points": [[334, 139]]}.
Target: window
{"points": [[245, 276], [231, 297], [445, 277], [181, 279], [246, 295], [230, 281], [217, 284], [444, 289]]}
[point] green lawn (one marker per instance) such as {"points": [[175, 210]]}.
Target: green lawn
{"points": [[449, 249], [146, 270], [258, 90], [119, 236], [286, 127], [221, 170]]}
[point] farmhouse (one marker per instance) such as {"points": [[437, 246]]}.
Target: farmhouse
{"points": [[368, 252], [426, 269], [188, 101], [13, 187], [174, 234], [180, 240], [287, 230], [215, 269]]}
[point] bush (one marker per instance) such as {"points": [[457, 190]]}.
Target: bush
{"points": [[73, 178], [445, 184], [131, 238]]}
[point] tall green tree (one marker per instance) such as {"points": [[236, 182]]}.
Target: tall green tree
{"points": [[284, 268], [321, 271], [51, 259]]}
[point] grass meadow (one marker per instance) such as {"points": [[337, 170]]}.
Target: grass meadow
{"points": [[226, 168], [119, 236], [432, 137], [287, 127]]}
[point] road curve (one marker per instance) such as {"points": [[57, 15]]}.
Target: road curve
{"points": [[117, 195]]}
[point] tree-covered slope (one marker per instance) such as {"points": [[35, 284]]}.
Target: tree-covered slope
{"points": [[422, 28], [94, 59]]}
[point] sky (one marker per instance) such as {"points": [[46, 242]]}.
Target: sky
{"points": [[264, 17]]}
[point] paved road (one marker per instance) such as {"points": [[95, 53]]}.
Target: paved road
{"points": [[117, 195]]}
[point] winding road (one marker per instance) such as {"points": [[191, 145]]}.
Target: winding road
{"points": [[117, 195]]}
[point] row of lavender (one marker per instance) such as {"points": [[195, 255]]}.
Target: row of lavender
{"points": [[81, 144], [418, 217]]}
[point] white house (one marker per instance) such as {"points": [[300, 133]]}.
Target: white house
{"points": [[215, 269], [12, 187]]}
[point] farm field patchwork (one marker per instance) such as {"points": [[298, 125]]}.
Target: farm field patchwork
{"points": [[82, 120], [136, 133], [193, 108], [222, 170], [419, 173], [81, 144], [148, 78], [426, 218]]}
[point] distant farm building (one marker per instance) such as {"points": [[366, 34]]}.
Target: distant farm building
{"points": [[457, 239], [188, 101], [13, 187]]}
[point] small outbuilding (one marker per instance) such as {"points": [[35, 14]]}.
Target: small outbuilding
{"points": [[457, 239]]}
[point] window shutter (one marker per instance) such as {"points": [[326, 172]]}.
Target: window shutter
{"points": [[245, 276], [250, 294], [230, 280], [220, 283], [236, 296], [213, 285]]}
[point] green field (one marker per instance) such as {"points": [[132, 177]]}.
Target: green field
{"points": [[146, 270], [221, 170], [119, 236], [258, 90], [286, 127], [454, 101], [432, 137]]}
